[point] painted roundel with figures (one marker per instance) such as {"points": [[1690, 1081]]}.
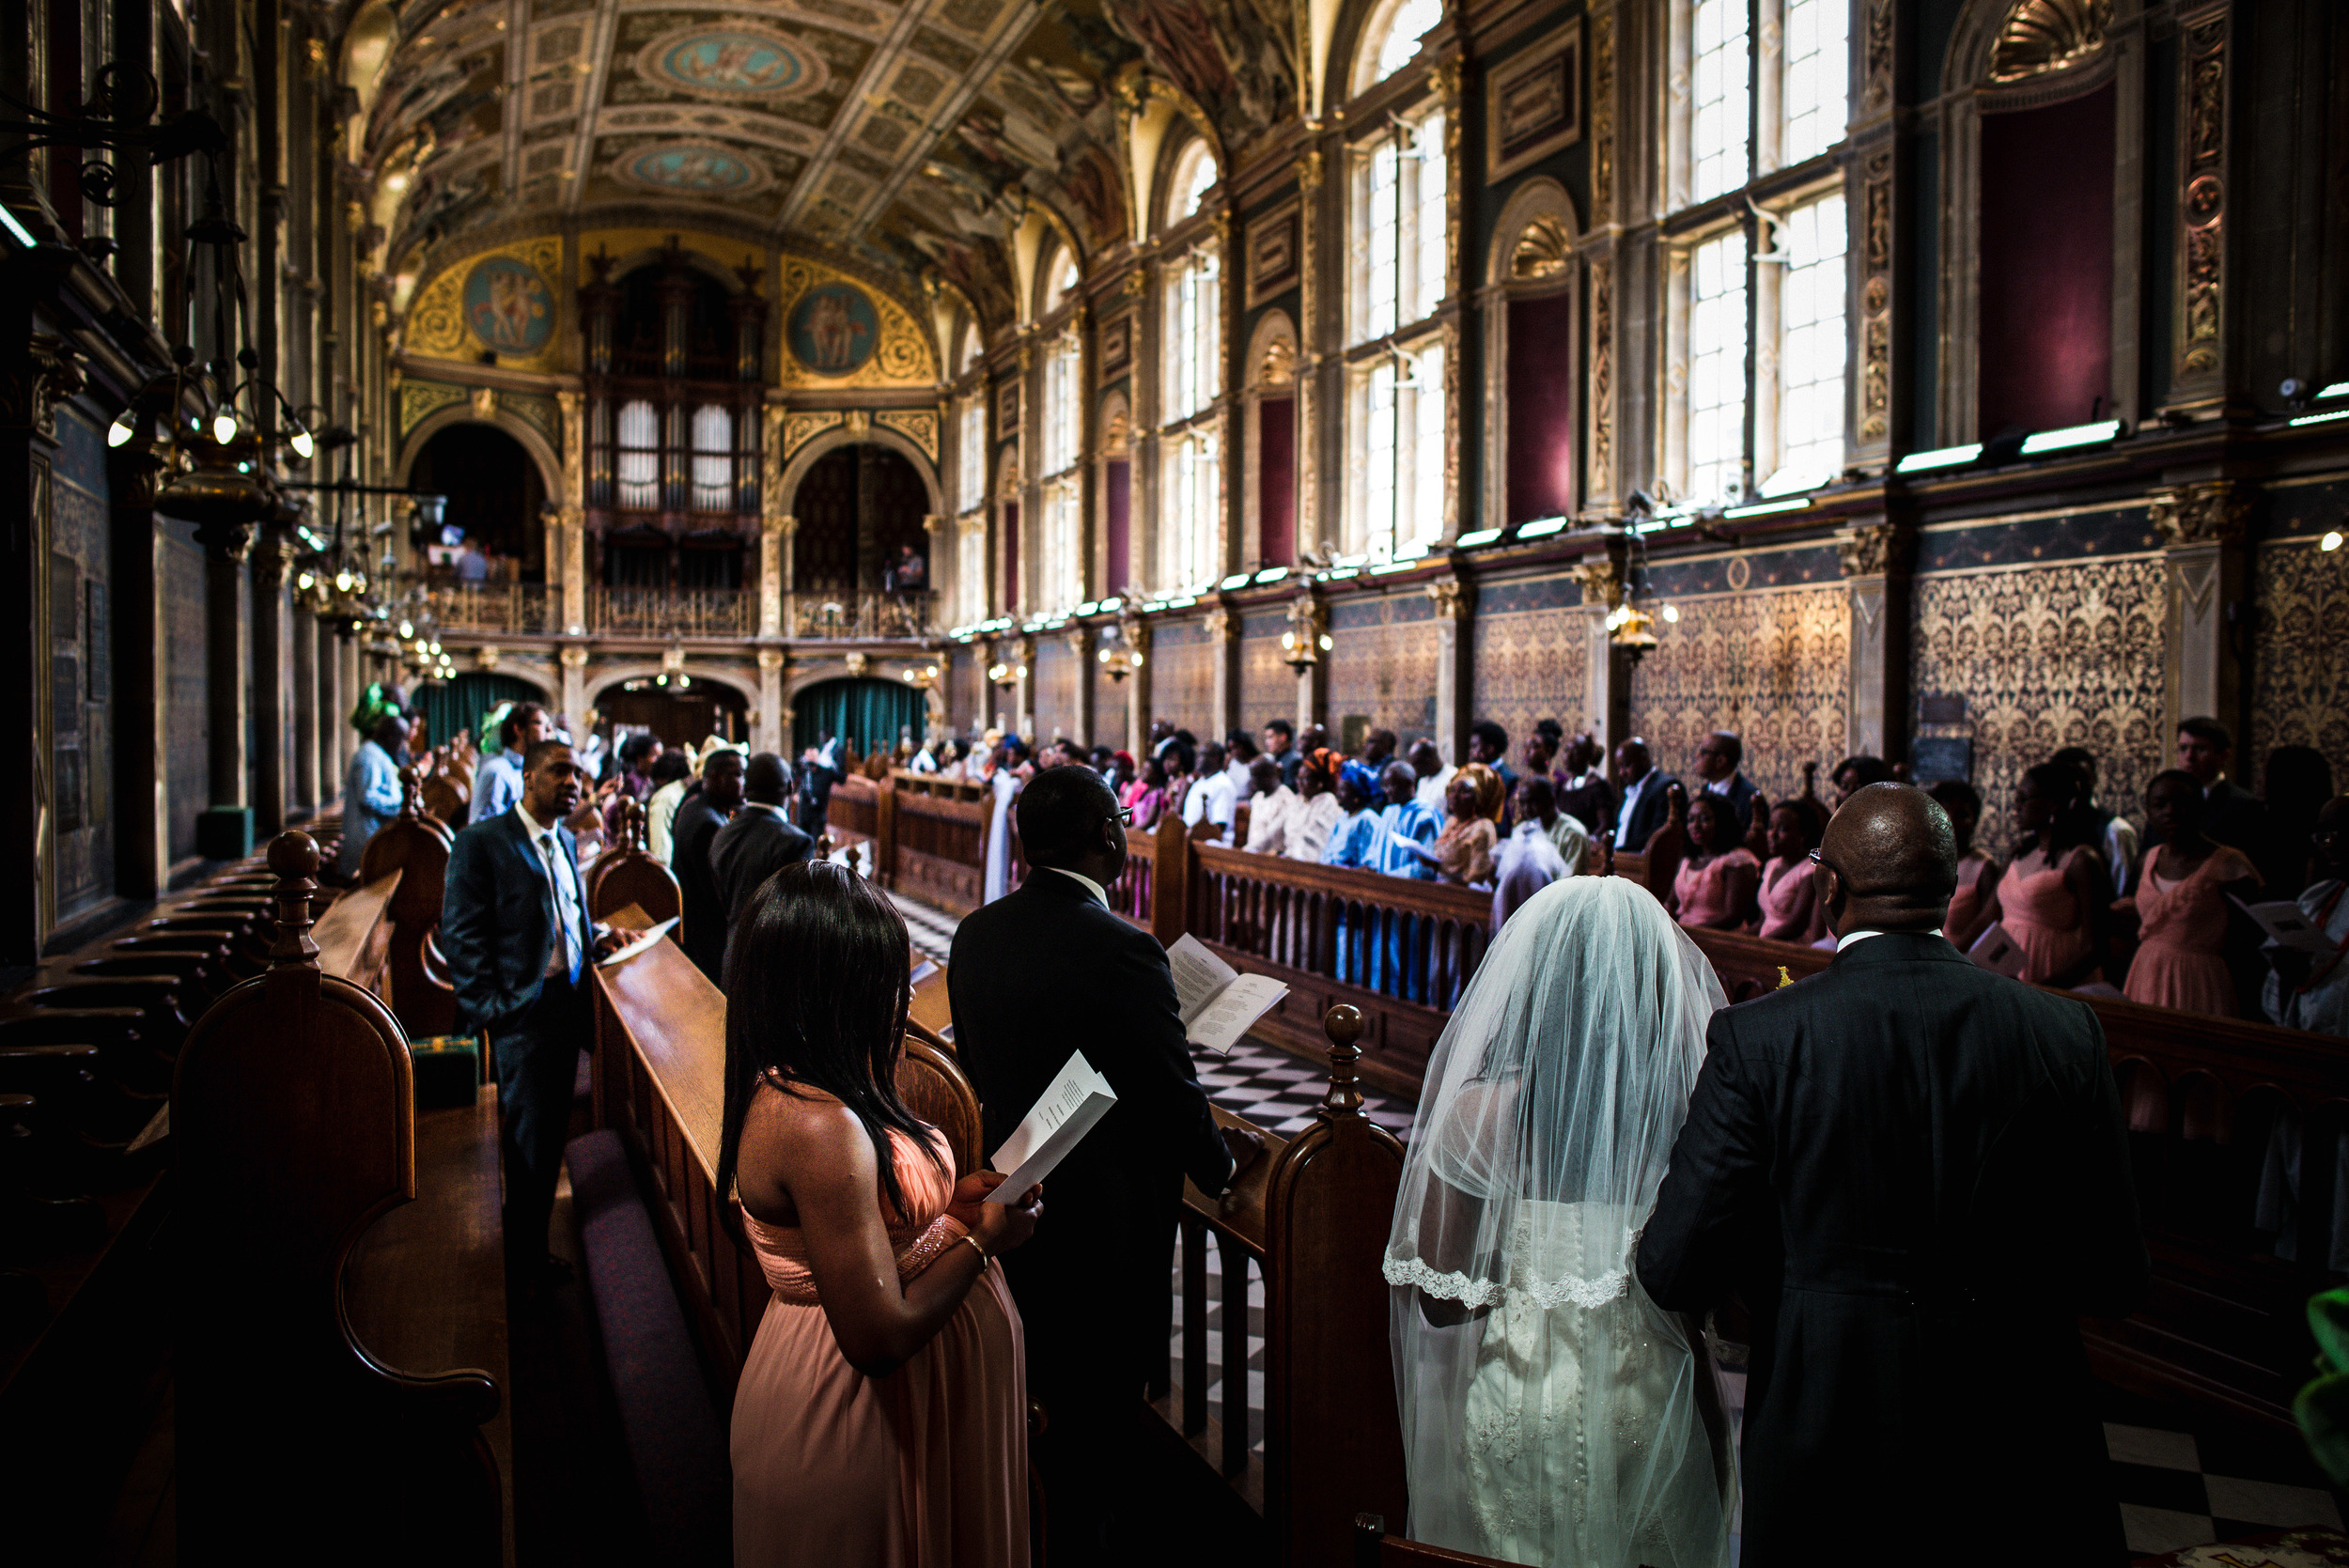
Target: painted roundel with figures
{"points": [[508, 305], [834, 329], [731, 61], [692, 169]]}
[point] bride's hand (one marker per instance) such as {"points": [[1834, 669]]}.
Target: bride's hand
{"points": [[971, 1195]]}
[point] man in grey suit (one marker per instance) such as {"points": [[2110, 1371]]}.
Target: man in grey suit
{"points": [[759, 839], [515, 928], [1916, 1173]]}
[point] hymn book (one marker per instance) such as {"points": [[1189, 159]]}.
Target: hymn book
{"points": [[1219, 1004], [1997, 951], [1062, 1116], [2288, 925], [652, 935]]}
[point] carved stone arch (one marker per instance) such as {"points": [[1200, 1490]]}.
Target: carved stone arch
{"points": [[801, 460], [1065, 239], [533, 442], [1999, 43], [1350, 64], [1114, 442], [1268, 371], [603, 677], [1539, 222], [1271, 362]]}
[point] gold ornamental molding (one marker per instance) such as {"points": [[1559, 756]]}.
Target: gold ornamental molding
{"points": [[1601, 581], [1873, 549], [918, 425], [800, 428], [420, 400], [2213, 513], [2042, 36]]}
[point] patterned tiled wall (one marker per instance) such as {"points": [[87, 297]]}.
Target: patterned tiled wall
{"points": [[1055, 688], [965, 694], [1772, 664], [2300, 662], [1109, 709], [2054, 655], [1182, 675], [1383, 665], [1531, 655], [1268, 687]]}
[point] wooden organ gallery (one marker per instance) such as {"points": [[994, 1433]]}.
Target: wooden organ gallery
{"points": [[1941, 381]]}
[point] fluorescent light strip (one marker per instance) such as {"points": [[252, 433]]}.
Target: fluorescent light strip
{"points": [[1541, 529], [2339, 389], [2070, 436], [1481, 536], [1184, 602], [1946, 457], [1272, 574], [1088, 608], [2322, 418], [17, 231], [1336, 573], [1768, 509], [1109, 604], [1385, 566], [1237, 579]]}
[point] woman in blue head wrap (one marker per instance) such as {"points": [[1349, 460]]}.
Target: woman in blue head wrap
{"points": [[1353, 842]]}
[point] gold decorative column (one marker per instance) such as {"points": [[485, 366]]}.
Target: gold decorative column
{"points": [[1223, 651], [1607, 670], [1309, 624], [1307, 535], [574, 656], [1875, 554], [1602, 482], [1455, 661], [567, 534], [774, 572], [1136, 632], [766, 731], [2198, 318], [2202, 530]]}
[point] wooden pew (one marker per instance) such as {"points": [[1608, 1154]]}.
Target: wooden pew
{"points": [[416, 846], [626, 875], [295, 1130], [1375, 1549], [936, 846]]}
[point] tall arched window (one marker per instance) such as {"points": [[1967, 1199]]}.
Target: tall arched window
{"points": [[1061, 280], [971, 447], [1395, 415], [1190, 492], [1391, 39], [1760, 302], [1195, 175], [639, 456], [713, 458], [1060, 576]]}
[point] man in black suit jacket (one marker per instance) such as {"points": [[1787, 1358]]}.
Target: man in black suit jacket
{"points": [[1035, 977], [1916, 1172], [514, 927], [2231, 815], [702, 904], [1719, 755], [759, 840], [1645, 804]]}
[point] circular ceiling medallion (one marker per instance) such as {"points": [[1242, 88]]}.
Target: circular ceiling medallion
{"points": [[729, 60], [508, 305], [833, 329], [692, 169]]}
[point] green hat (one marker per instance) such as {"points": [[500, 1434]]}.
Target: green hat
{"points": [[375, 707]]}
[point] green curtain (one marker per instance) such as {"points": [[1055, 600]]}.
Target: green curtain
{"points": [[869, 713], [459, 705]]}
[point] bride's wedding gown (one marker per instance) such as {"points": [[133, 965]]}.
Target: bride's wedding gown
{"points": [[1552, 1412]]}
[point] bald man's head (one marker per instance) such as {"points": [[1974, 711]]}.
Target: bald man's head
{"points": [[1889, 860]]}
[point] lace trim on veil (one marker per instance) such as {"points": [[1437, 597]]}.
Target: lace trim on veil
{"points": [[1589, 1294]]}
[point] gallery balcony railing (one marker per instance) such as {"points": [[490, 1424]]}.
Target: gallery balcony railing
{"points": [[531, 609]]}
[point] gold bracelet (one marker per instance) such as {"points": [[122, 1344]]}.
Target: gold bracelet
{"points": [[985, 1257]]}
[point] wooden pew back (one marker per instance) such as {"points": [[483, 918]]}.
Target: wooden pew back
{"points": [[294, 1122], [625, 874], [417, 846]]}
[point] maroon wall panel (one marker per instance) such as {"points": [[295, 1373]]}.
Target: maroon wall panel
{"points": [[1011, 559], [1541, 407], [1276, 479], [2046, 265], [1119, 485]]}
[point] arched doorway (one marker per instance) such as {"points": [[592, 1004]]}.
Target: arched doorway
{"points": [[465, 703], [864, 712], [495, 495], [857, 505], [681, 710]]}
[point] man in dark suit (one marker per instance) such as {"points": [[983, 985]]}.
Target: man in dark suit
{"points": [[1035, 977], [1644, 806], [1719, 755], [759, 840], [1916, 1173], [515, 929], [703, 907], [2231, 815]]}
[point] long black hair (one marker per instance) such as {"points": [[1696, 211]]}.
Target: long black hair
{"points": [[2075, 825], [816, 983]]}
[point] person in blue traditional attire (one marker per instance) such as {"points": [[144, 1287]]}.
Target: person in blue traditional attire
{"points": [[1353, 842], [1405, 828]]}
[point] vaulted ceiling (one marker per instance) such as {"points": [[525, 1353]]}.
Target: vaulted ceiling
{"points": [[908, 136]]}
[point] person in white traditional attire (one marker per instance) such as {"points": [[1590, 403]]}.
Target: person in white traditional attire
{"points": [[1552, 1412], [1004, 784]]}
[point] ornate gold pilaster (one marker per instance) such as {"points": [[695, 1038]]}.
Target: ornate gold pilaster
{"points": [[2201, 528], [574, 661], [1223, 650], [2198, 379], [1456, 641], [1308, 531], [767, 723], [1876, 558], [775, 533], [1875, 423]]}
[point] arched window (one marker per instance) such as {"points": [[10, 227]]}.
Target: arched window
{"points": [[1194, 346], [1063, 280], [1193, 484], [639, 456], [971, 444], [713, 460], [1195, 175], [1061, 365], [1391, 39], [1395, 415]]}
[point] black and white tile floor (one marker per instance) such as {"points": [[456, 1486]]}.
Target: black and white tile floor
{"points": [[2177, 1483]]}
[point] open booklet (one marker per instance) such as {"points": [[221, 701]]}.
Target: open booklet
{"points": [[2287, 925], [1058, 1122], [652, 935], [1997, 951], [1219, 1004]]}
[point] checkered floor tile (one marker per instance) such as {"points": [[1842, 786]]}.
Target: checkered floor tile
{"points": [[2175, 1488]]}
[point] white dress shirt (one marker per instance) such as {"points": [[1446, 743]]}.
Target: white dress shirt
{"points": [[563, 892], [1850, 936], [1093, 888], [1632, 794], [1431, 788], [1268, 818], [1212, 797]]}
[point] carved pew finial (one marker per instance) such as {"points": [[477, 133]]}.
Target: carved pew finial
{"points": [[1343, 1026], [410, 793], [293, 856], [632, 825], [852, 860]]}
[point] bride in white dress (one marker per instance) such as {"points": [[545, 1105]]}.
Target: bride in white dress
{"points": [[1552, 1412]]}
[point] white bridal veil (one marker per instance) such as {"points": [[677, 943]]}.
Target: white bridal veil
{"points": [[1552, 1412]]}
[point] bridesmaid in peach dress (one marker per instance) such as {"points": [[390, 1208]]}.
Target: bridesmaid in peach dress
{"points": [[882, 1413], [2181, 904], [1717, 884], [1977, 872], [2054, 896], [1789, 899]]}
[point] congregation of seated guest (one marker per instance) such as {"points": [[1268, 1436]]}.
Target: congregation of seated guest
{"points": [[2054, 893], [1271, 804], [1788, 901], [1462, 854], [1977, 869], [1306, 836], [1354, 840], [1539, 807], [1210, 801], [1717, 882], [2183, 919], [1407, 826], [881, 1415]]}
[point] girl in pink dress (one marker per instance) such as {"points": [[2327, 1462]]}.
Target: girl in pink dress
{"points": [[1977, 872], [1789, 900], [2181, 904], [1146, 796], [881, 1415], [1717, 883], [2054, 894]]}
